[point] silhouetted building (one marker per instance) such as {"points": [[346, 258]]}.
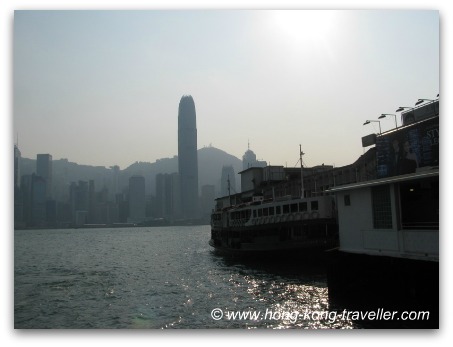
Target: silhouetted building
{"points": [[18, 206], [105, 211], [137, 202], [79, 201], [187, 158], [91, 201], [26, 198], [123, 207], [249, 160], [17, 158], [51, 212], [115, 189], [38, 198], [44, 169], [167, 196], [34, 202], [61, 179], [207, 200]]}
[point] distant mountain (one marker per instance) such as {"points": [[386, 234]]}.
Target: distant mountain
{"points": [[210, 163]]}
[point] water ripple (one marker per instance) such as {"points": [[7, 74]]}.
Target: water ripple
{"points": [[152, 278]]}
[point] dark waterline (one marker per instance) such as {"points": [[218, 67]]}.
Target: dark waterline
{"points": [[153, 278]]}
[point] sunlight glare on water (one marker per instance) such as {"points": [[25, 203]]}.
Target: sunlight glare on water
{"points": [[154, 278]]}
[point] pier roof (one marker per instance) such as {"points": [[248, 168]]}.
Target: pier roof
{"points": [[426, 173]]}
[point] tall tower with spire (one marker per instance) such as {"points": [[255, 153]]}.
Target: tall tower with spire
{"points": [[187, 158]]}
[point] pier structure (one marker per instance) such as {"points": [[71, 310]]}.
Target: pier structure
{"points": [[388, 254]]}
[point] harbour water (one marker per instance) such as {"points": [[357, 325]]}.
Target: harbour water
{"points": [[157, 278]]}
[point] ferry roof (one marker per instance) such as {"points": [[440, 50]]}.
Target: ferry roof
{"points": [[434, 171], [251, 169]]}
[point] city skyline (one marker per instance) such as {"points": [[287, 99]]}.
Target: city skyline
{"points": [[323, 90], [101, 87]]}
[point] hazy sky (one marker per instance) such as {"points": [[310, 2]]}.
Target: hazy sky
{"points": [[103, 87]]}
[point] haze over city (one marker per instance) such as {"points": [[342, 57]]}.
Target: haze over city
{"points": [[103, 87]]}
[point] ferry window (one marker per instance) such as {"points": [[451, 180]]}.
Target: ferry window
{"points": [[285, 208], [260, 212], [254, 213], [293, 208], [265, 212], [271, 211], [382, 208], [347, 200], [420, 204], [314, 205], [279, 209], [303, 206]]}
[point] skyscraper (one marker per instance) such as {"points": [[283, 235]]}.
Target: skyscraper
{"points": [[187, 157], [167, 195]]}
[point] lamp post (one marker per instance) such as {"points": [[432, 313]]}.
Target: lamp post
{"points": [[419, 101], [369, 121], [388, 114], [401, 108]]}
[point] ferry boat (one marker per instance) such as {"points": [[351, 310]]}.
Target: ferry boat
{"points": [[288, 225], [283, 225]]}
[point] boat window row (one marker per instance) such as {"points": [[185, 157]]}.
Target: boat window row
{"points": [[244, 214], [287, 208], [216, 217]]}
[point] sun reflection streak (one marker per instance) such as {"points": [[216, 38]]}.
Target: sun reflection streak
{"points": [[284, 297]]}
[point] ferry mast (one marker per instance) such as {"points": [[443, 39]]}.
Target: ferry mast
{"points": [[301, 173]]}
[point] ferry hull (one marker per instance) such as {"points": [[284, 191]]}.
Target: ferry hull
{"points": [[286, 240]]}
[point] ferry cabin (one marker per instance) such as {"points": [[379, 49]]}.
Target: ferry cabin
{"points": [[259, 212], [276, 224]]}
